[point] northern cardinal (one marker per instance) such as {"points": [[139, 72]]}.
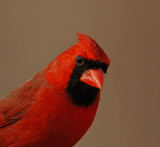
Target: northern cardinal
{"points": [[57, 106]]}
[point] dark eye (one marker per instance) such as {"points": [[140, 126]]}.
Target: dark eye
{"points": [[79, 60]]}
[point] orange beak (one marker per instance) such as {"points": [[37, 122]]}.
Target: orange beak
{"points": [[93, 77]]}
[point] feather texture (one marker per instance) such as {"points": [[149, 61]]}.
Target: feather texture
{"points": [[54, 108]]}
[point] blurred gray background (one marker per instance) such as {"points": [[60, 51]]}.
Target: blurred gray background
{"points": [[33, 33]]}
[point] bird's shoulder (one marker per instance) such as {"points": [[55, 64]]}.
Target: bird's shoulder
{"points": [[14, 106]]}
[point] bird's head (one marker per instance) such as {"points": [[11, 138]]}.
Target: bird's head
{"points": [[80, 71]]}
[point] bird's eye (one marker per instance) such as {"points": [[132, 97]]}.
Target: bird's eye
{"points": [[79, 60]]}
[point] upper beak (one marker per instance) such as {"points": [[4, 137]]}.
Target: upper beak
{"points": [[93, 77]]}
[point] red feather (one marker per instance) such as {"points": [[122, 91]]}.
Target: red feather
{"points": [[40, 112]]}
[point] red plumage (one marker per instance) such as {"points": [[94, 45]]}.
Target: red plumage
{"points": [[43, 112]]}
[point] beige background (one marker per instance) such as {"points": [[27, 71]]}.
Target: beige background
{"points": [[33, 33]]}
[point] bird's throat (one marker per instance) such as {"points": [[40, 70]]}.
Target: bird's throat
{"points": [[83, 94]]}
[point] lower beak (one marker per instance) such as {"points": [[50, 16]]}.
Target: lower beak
{"points": [[93, 77]]}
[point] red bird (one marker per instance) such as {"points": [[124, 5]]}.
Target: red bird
{"points": [[57, 106]]}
